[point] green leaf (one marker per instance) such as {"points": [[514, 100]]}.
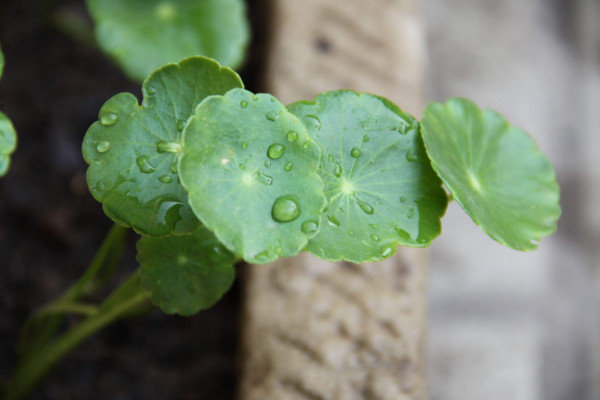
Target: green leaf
{"points": [[133, 150], [379, 184], [185, 274], [145, 34], [251, 173], [495, 172], [8, 135]]}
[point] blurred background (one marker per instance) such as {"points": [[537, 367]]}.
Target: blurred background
{"points": [[502, 324]]}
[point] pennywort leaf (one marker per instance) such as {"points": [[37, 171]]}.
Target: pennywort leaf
{"points": [[380, 188], [495, 172], [250, 169], [8, 135], [133, 150], [145, 34], [185, 274]]}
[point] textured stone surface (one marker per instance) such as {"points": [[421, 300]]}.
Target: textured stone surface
{"points": [[320, 330], [315, 330]]}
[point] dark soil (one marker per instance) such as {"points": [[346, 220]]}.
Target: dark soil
{"points": [[50, 226]]}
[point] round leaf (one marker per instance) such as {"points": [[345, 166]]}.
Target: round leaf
{"points": [[185, 274], [495, 172], [380, 187], [145, 34], [133, 150], [251, 173]]}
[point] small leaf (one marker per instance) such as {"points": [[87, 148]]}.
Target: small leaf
{"points": [[8, 135], [380, 187], [143, 35], [495, 172], [133, 150], [185, 274], [251, 173]]}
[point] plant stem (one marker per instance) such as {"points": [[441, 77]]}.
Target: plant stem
{"points": [[125, 301]]}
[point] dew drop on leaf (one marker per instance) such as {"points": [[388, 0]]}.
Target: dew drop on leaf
{"points": [[174, 167], [355, 152], [143, 162], [244, 145], [337, 170], [365, 138], [350, 233], [287, 166], [332, 220], [309, 227], [286, 208], [366, 207], [374, 237], [109, 119], [267, 180], [275, 151], [292, 136], [305, 145], [150, 90], [271, 116], [180, 125], [168, 147], [242, 167], [330, 158], [103, 147], [165, 179], [402, 199], [387, 250], [243, 104], [412, 155], [312, 122]]}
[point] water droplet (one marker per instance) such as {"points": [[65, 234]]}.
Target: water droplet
{"points": [[365, 138], [309, 227], [305, 145], [402, 233], [286, 208], [292, 136], [275, 151], [355, 152], [271, 116], [267, 163], [387, 250], [261, 177], [263, 256], [337, 170], [143, 162], [109, 119], [156, 117], [243, 104], [150, 90], [174, 167], [366, 207], [168, 147], [244, 145], [180, 125], [374, 237], [412, 155], [278, 250], [411, 212], [165, 179], [330, 158], [254, 97], [103, 147], [374, 226], [402, 199], [312, 122], [242, 167], [287, 166], [350, 233], [332, 220]]}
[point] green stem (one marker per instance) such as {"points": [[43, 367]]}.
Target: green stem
{"points": [[68, 308], [124, 301]]}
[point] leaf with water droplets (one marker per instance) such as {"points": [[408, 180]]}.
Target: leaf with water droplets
{"points": [[143, 35], [185, 274], [368, 175], [260, 211], [8, 135], [495, 172], [133, 150]]}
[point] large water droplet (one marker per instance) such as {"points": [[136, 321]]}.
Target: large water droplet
{"points": [[103, 147], [168, 147], [243, 104], [292, 136], [309, 227], [275, 151], [355, 152], [180, 125], [287, 166], [165, 179], [337, 170], [109, 119], [412, 155], [366, 207], [312, 122], [143, 162], [271, 115], [333, 221], [286, 208]]}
